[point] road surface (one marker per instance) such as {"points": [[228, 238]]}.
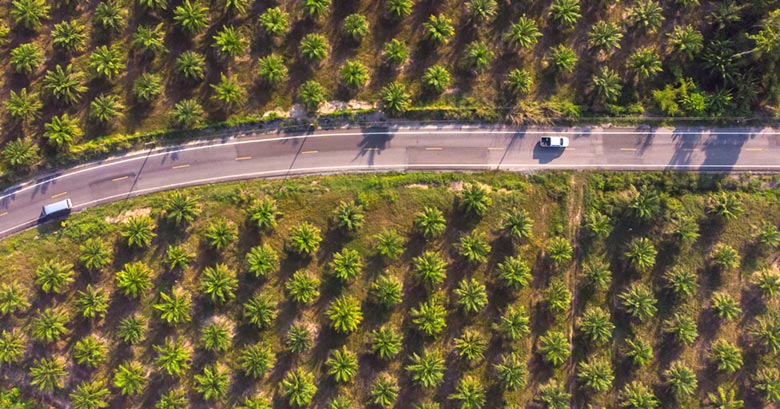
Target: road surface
{"points": [[386, 149]]}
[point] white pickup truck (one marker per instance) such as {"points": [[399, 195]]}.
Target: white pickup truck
{"points": [[554, 142]]}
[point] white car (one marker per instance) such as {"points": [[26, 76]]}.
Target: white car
{"points": [[554, 142]]}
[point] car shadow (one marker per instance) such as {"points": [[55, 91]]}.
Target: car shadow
{"points": [[546, 155]]}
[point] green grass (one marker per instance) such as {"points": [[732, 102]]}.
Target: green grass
{"points": [[556, 201]]}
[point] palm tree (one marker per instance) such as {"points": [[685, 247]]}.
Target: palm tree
{"points": [[213, 383], [474, 200], [272, 70], [645, 206], [345, 314], [61, 131], [220, 233], [725, 257], [131, 330], [768, 234], [260, 311], [20, 154], [639, 351], [342, 365], [298, 339], [12, 346], [215, 337], [686, 228], [154, 4], [478, 56], [346, 265], [228, 92], [191, 16], [191, 65], [48, 374], [554, 395], [180, 209], [69, 36], [106, 62], [646, 15], [386, 291], [682, 282], [395, 98], [429, 317], [314, 47], [471, 296], [90, 351], [130, 378], [726, 356], [427, 369], [317, 8], [262, 260], [555, 347], [147, 87], [384, 391], [725, 306], [596, 374], [105, 108], [514, 273], [482, 10], [13, 298], [598, 224], [110, 16], [219, 283], [26, 58], [470, 345], [23, 106], [519, 81], [150, 39], [470, 393], [430, 222], [134, 279], [595, 324], [474, 247], [767, 281], [264, 212], [565, 12], [355, 27], [681, 379], [298, 387], [558, 296], [438, 29], [606, 85], [349, 216], [641, 254], [303, 287], [256, 360], [138, 230], [398, 10], [436, 78], [237, 6], [229, 42], [389, 244], [514, 323], [173, 399], [767, 381], [430, 268], [174, 308], [724, 399], [386, 343], [683, 327], [518, 225], [29, 13], [65, 85], [54, 276], [597, 274], [353, 74], [644, 63], [605, 36], [523, 34], [305, 239], [686, 41], [639, 302], [511, 372], [274, 21], [395, 52], [636, 395], [92, 303], [312, 95], [90, 395], [559, 251], [173, 357]]}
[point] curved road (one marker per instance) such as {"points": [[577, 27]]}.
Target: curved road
{"points": [[385, 149]]}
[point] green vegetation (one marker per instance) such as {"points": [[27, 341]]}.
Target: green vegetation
{"points": [[367, 290]]}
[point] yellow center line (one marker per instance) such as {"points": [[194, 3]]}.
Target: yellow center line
{"points": [[59, 194], [370, 149], [181, 166], [571, 149], [433, 149], [754, 149], [627, 149], [309, 152], [496, 148], [118, 179], [3, 214], [243, 158]]}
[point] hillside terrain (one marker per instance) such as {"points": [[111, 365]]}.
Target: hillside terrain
{"points": [[403, 290]]}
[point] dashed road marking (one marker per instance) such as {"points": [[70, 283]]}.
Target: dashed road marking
{"points": [[433, 149], [628, 149], [118, 179], [370, 149], [59, 194], [754, 149], [495, 148], [243, 158], [3, 214], [309, 152], [181, 166]]}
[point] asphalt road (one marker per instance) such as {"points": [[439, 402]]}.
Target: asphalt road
{"points": [[385, 149]]}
